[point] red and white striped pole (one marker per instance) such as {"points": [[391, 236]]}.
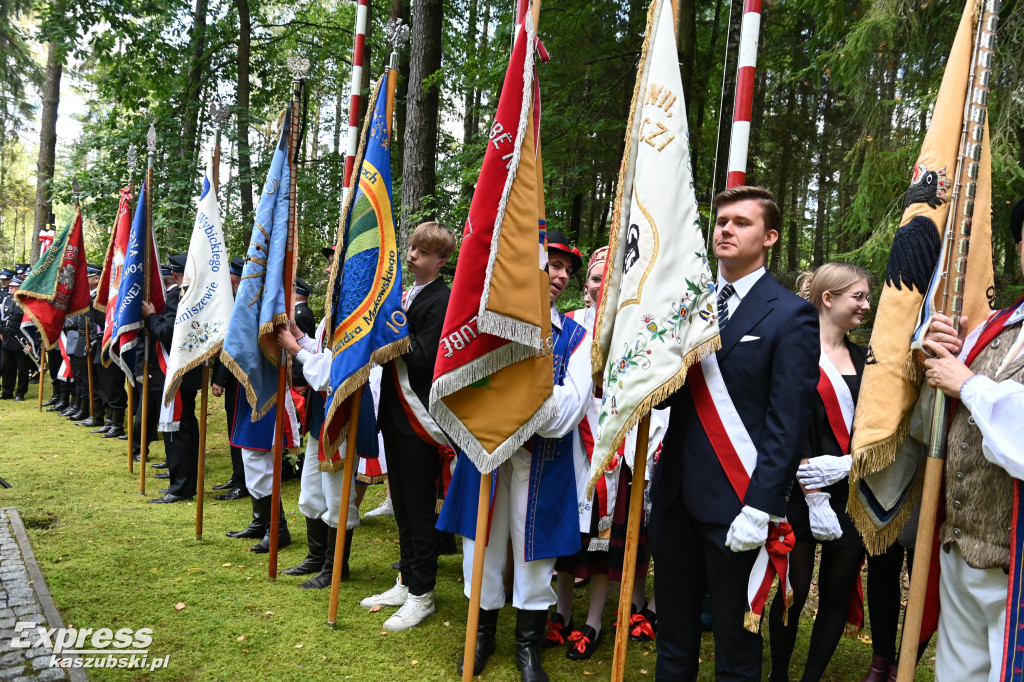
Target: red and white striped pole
{"points": [[739, 142], [358, 50]]}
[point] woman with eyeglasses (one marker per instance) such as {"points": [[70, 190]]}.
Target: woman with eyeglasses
{"points": [[817, 512]]}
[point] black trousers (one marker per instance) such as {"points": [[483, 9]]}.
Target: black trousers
{"points": [[413, 468], [111, 386], [692, 559], [53, 360], [237, 469], [80, 372], [152, 419], [182, 448], [16, 366]]}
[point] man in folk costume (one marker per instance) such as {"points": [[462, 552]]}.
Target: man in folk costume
{"points": [[411, 437], [529, 503], [320, 492], [224, 383], [731, 451], [981, 535]]}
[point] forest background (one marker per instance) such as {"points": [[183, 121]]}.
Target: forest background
{"points": [[842, 100]]}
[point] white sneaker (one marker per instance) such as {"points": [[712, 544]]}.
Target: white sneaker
{"points": [[385, 509], [396, 596], [413, 612]]}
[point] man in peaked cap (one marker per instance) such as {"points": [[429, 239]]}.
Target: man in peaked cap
{"points": [[15, 361]]}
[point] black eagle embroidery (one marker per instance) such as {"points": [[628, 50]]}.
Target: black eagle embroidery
{"points": [[914, 254], [927, 186]]}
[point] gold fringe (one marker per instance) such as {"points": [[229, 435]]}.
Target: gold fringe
{"points": [[437, 506], [877, 456], [657, 396], [913, 371], [370, 480], [787, 600], [386, 354], [332, 467], [853, 631], [175, 381], [877, 540], [752, 621], [598, 354], [258, 412]]}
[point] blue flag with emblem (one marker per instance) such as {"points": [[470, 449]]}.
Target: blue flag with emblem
{"points": [[365, 320], [251, 350]]}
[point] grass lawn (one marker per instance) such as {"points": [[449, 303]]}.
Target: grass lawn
{"points": [[112, 560]]}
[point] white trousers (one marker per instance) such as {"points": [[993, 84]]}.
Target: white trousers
{"points": [[259, 472], [531, 589], [972, 615], [320, 494]]}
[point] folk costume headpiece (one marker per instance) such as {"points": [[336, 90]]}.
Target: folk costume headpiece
{"points": [[599, 257]]}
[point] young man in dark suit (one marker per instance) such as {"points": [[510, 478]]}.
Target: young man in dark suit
{"points": [[414, 464], [705, 535]]}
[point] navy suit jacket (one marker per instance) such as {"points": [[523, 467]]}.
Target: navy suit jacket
{"points": [[772, 380]]}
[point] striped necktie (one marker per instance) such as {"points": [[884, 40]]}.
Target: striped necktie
{"points": [[723, 304]]}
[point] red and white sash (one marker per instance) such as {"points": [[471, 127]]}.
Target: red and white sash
{"points": [[738, 455], [419, 418], [838, 401], [170, 415], [64, 371]]}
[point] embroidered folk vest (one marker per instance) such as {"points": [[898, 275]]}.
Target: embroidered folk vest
{"points": [[979, 494]]}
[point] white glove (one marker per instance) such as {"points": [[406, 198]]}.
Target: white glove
{"points": [[820, 472], [824, 522], [749, 530]]}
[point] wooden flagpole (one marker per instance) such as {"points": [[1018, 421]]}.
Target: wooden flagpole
{"points": [[958, 237], [298, 67], [636, 511], [147, 249], [88, 364], [42, 375], [132, 159], [346, 491]]}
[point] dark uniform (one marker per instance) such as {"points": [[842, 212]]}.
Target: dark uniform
{"points": [[16, 363]]}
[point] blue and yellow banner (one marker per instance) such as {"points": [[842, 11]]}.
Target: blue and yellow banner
{"points": [[366, 323]]}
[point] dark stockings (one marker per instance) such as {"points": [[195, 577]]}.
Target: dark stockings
{"points": [[837, 575]]}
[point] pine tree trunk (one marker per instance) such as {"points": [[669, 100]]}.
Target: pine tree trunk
{"points": [[785, 166], [469, 89], [47, 142], [400, 10], [419, 159], [242, 111], [686, 43], [191, 100]]}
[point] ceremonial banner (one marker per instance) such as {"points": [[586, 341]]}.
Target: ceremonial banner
{"points": [[57, 287], [493, 377], [113, 266], [250, 350], [364, 293], [656, 313], [127, 319], [205, 304], [881, 503]]}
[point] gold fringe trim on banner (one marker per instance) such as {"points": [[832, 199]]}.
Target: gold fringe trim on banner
{"points": [[258, 411], [332, 467], [877, 540], [752, 621], [656, 397], [437, 506], [913, 370], [370, 480], [179, 375]]}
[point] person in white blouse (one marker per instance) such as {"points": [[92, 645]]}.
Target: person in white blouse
{"points": [[984, 463]]}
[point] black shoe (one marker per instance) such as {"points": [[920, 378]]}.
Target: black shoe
{"points": [[258, 527], [169, 499], [326, 575], [316, 540], [60, 405], [529, 633], [5, 396], [284, 538], [225, 486], [115, 431], [159, 465], [164, 491], [116, 425], [234, 494], [486, 628], [163, 475], [19, 398], [54, 399], [582, 643], [558, 630], [103, 429]]}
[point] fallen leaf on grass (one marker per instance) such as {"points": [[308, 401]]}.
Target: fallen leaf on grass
{"points": [[375, 608], [383, 633], [227, 565], [270, 613], [414, 662], [643, 671], [154, 569], [587, 672], [298, 646], [241, 638], [179, 606], [447, 623]]}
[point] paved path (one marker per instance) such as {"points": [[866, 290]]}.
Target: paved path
{"points": [[24, 597]]}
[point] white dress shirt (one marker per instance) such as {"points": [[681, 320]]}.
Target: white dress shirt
{"points": [[742, 287]]}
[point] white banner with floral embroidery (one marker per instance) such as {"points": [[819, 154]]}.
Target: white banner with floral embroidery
{"points": [[657, 314], [206, 299]]}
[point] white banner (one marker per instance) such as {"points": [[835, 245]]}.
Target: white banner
{"points": [[206, 299], [657, 312]]}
